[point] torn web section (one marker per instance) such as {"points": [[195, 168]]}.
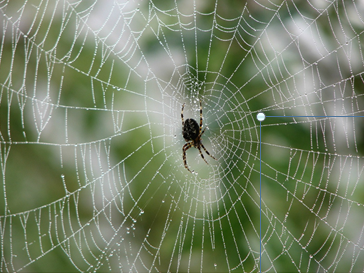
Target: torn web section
{"points": [[321, 185]]}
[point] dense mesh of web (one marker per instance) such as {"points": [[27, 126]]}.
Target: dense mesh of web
{"points": [[91, 145]]}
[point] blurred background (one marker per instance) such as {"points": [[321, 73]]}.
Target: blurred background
{"points": [[91, 160]]}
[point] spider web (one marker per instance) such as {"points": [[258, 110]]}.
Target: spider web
{"points": [[91, 146]]}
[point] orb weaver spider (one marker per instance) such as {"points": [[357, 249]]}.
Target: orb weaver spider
{"points": [[192, 134]]}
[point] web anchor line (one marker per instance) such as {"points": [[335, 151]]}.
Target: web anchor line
{"points": [[313, 116], [261, 117]]}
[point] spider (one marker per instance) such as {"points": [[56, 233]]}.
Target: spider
{"points": [[192, 134]]}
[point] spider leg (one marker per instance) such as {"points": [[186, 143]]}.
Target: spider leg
{"points": [[207, 151], [184, 149], [203, 132], [183, 121], [200, 117], [199, 149]]}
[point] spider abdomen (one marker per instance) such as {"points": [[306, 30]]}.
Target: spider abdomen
{"points": [[191, 129]]}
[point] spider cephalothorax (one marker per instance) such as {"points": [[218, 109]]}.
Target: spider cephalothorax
{"points": [[191, 132]]}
